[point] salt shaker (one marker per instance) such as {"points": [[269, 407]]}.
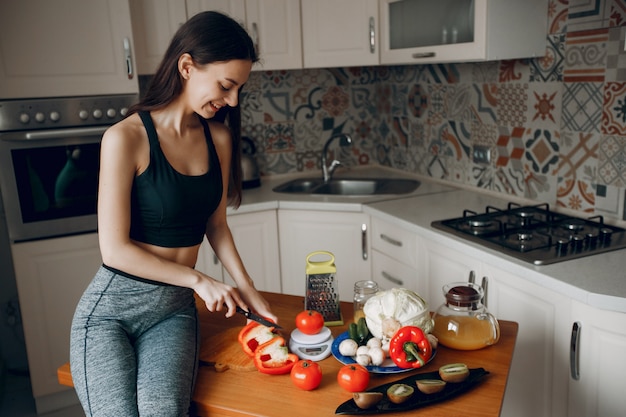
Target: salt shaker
{"points": [[363, 291]]}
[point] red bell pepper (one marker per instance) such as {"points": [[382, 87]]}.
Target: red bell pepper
{"points": [[254, 335], [273, 357], [410, 348]]}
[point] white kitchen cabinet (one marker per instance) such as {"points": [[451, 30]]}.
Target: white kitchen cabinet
{"points": [[340, 33], [234, 8], [154, 24], [256, 238], [275, 28], [208, 263], [51, 276], [274, 25], [538, 369], [344, 234], [599, 360], [73, 48], [394, 257], [425, 31], [444, 265]]}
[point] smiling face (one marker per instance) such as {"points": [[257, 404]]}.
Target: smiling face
{"points": [[210, 87]]}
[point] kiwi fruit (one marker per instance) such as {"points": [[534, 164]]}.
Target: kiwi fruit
{"points": [[454, 372], [399, 393], [365, 400], [430, 386]]}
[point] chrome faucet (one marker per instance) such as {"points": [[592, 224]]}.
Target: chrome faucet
{"points": [[327, 171]]}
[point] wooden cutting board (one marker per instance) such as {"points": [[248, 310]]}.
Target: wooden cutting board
{"points": [[223, 351]]}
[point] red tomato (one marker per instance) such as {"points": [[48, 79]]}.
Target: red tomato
{"points": [[353, 378], [310, 321], [306, 374]]}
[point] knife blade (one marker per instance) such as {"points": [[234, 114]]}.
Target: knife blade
{"points": [[257, 318]]}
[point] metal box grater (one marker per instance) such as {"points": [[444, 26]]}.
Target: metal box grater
{"points": [[322, 292]]}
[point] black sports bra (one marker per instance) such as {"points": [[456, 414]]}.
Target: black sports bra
{"points": [[170, 209]]}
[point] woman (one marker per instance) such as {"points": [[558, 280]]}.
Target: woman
{"points": [[166, 177]]}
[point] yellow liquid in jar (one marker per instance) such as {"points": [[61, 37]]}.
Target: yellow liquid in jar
{"points": [[463, 333], [358, 314]]}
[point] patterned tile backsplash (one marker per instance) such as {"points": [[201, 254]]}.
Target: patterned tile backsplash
{"points": [[555, 126]]}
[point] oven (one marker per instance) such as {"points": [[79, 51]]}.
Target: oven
{"points": [[49, 162], [535, 234]]}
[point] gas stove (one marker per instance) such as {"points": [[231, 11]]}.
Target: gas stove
{"points": [[535, 233]]}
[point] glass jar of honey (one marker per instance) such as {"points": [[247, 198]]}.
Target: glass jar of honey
{"points": [[363, 291], [463, 322]]}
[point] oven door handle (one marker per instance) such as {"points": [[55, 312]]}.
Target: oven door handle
{"points": [[57, 134]]}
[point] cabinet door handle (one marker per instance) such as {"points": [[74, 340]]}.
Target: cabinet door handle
{"points": [[392, 279], [255, 36], [573, 351], [364, 241], [130, 71], [419, 55], [215, 259], [391, 240], [372, 35], [484, 285]]}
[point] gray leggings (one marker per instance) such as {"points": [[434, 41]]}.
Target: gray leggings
{"points": [[134, 347]]}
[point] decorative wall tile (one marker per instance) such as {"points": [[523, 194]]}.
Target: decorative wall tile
{"points": [[484, 104], [544, 105], [542, 156], [550, 66], [514, 70], [417, 101], [586, 14], [557, 16], [277, 105], [437, 111], [616, 55], [485, 72], [612, 161], [512, 104], [458, 99], [585, 56], [576, 172], [616, 12], [335, 101], [582, 107], [509, 156], [614, 115]]}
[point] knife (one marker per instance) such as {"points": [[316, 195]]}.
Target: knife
{"points": [[257, 318]]}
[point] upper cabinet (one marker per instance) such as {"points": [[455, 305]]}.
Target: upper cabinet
{"points": [[75, 48], [274, 26], [340, 33], [424, 31], [154, 24]]}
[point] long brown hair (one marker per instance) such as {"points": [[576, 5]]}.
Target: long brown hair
{"points": [[208, 37]]}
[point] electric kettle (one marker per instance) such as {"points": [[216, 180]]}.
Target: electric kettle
{"points": [[251, 177]]}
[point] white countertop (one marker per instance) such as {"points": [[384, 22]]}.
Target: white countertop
{"points": [[598, 280]]}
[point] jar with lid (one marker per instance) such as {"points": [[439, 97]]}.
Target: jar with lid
{"points": [[463, 322], [363, 291]]}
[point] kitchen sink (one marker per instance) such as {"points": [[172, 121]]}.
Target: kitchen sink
{"points": [[349, 186]]}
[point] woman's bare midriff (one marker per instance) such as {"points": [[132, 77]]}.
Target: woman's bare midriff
{"points": [[183, 256]]}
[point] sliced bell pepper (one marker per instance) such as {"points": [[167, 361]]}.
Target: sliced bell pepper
{"points": [[254, 335], [273, 357], [410, 348]]}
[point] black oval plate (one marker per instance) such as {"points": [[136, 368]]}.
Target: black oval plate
{"points": [[418, 399]]}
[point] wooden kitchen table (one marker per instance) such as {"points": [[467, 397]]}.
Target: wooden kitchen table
{"points": [[244, 393]]}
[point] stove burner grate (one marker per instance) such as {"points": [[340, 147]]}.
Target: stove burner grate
{"points": [[536, 234]]}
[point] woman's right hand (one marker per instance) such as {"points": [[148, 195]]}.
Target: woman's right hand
{"points": [[217, 296]]}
